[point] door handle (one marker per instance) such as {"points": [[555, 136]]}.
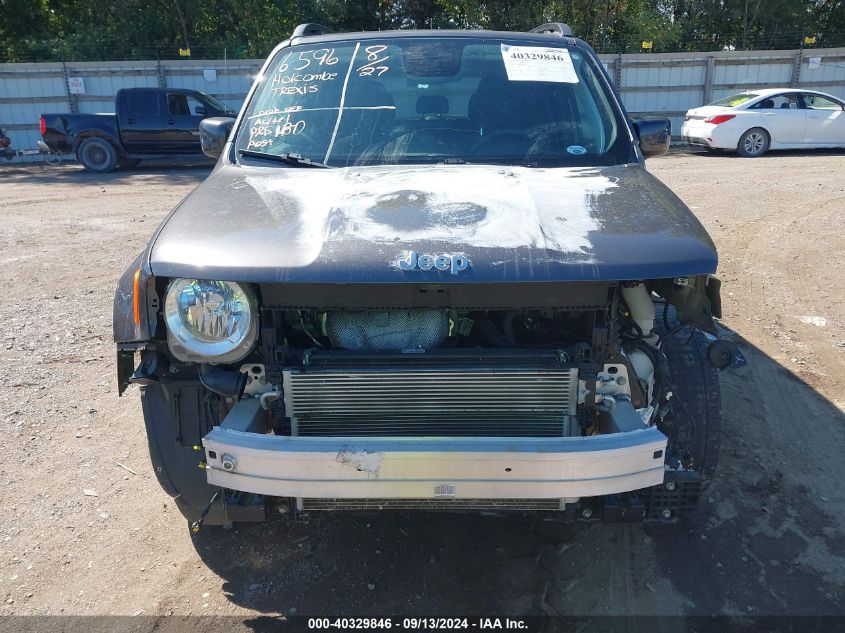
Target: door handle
{"points": [[130, 121], [170, 121]]}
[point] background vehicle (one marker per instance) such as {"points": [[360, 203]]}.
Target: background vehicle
{"points": [[424, 275], [148, 123], [756, 121], [8, 152]]}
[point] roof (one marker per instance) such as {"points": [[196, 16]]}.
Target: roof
{"points": [[450, 33], [765, 92]]}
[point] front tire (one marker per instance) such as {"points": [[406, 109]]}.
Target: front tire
{"points": [[97, 155], [754, 143], [694, 424]]}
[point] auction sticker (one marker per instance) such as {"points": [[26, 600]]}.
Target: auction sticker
{"points": [[537, 63]]}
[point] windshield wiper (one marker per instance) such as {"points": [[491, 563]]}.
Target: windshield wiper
{"points": [[291, 158]]}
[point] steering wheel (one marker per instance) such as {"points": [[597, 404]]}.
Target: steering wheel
{"points": [[517, 139]]}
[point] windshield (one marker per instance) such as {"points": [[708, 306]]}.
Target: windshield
{"points": [[431, 100], [735, 100], [217, 104]]}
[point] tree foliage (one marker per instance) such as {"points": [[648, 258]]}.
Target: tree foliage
{"points": [[76, 30]]}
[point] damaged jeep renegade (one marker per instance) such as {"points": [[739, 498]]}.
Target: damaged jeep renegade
{"points": [[428, 271]]}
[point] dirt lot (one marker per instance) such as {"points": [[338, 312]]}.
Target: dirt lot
{"points": [[85, 528]]}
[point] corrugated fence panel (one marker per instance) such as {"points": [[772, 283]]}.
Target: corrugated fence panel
{"points": [[665, 84], [26, 91], [825, 73], [108, 85], [836, 91], [656, 101], [664, 73], [760, 74], [233, 79]]}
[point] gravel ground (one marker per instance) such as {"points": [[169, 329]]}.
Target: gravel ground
{"points": [[85, 528]]}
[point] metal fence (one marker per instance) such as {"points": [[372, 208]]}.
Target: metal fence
{"points": [[659, 84]]}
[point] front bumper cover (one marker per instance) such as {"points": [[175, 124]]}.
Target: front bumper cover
{"points": [[434, 467]]}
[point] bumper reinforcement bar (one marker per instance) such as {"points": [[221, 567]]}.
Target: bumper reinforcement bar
{"points": [[434, 467]]}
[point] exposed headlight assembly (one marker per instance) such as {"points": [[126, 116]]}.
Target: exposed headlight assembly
{"points": [[210, 321]]}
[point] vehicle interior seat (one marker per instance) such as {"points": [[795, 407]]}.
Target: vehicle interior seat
{"points": [[178, 105], [361, 128], [523, 119], [434, 133], [428, 105], [767, 104]]}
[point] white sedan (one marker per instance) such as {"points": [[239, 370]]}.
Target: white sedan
{"points": [[776, 118]]}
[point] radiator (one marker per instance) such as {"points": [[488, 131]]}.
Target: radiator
{"points": [[503, 402]]}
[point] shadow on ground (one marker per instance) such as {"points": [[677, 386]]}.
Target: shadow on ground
{"points": [[152, 172], [763, 543], [684, 149]]}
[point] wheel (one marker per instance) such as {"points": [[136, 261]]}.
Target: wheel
{"points": [[97, 155], [128, 163], [694, 424], [753, 143], [53, 158]]}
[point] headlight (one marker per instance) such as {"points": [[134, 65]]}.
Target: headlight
{"points": [[210, 321]]}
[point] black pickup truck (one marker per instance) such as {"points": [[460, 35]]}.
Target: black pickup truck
{"points": [[148, 123]]}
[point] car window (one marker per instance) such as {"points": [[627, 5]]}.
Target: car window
{"points": [[142, 102], [818, 102], [193, 104], [177, 104], [413, 100], [735, 100], [778, 102], [215, 103]]}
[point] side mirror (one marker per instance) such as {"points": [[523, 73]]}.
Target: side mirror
{"points": [[213, 135], [201, 111], [654, 135]]}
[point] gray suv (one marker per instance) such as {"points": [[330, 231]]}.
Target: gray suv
{"points": [[429, 271]]}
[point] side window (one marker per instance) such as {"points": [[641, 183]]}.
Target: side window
{"points": [[177, 104], [193, 104], [779, 102], [818, 102], [142, 103]]}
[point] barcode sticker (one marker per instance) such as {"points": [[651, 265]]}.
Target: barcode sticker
{"points": [[444, 490], [535, 63]]}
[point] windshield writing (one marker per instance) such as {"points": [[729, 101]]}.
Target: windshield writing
{"points": [[419, 100]]}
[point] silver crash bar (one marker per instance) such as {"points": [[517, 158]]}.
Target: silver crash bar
{"points": [[429, 467]]}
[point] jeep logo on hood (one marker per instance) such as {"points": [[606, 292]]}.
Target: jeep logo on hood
{"points": [[453, 263]]}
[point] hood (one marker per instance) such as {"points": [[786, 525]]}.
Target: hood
{"points": [[373, 224]]}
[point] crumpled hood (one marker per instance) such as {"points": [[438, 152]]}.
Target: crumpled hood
{"points": [[355, 225]]}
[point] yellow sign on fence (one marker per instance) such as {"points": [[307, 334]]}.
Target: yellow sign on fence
{"points": [[647, 45], [184, 52], [810, 39]]}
